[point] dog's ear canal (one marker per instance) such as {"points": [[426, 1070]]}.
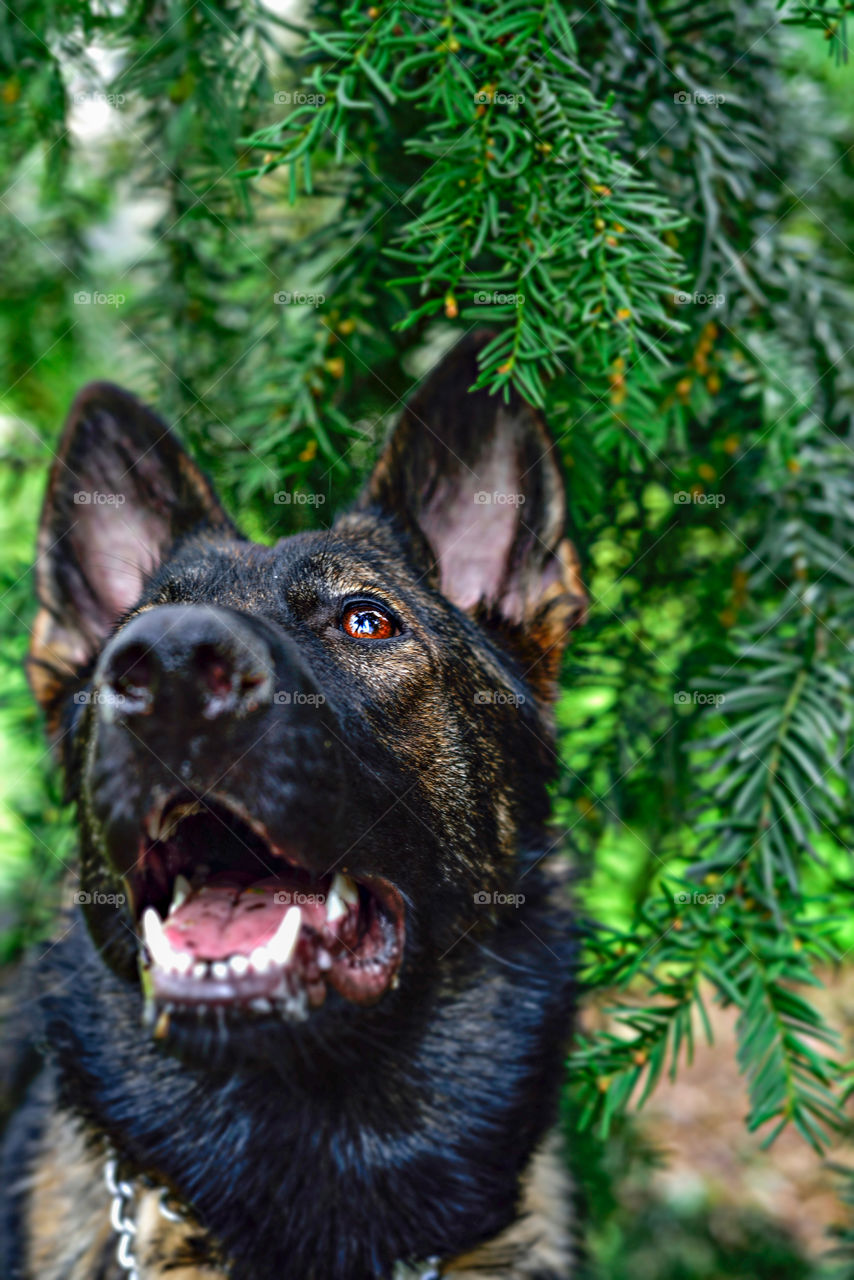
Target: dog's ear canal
{"points": [[121, 491], [477, 484]]}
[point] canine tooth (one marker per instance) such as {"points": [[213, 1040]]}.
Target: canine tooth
{"points": [[349, 891], [335, 906], [238, 965], [260, 959], [220, 970], [324, 960], [159, 946], [200, 970], [155, 938], [342, 894], [281, 946], [180, 892]]}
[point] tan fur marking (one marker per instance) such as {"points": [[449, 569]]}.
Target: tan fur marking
{"points": [[68, 1225], [539, 1241], [69, 1228], [162, 1245]]}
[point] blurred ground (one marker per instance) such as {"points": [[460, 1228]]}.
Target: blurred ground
{"points": [[697, 1195]]}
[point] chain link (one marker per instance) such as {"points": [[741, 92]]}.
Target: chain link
{"points": [[428, 1270], [121, 1217], [122, 1204]]}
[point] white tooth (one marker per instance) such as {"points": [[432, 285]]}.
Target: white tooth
{"points": [[180, 893], [336, 907], [281, 946], [220, 970], [261, 1006], [259, 959], [349, 890], [182, 961], [200, 970], [155, 938], [324, 960], [152, 926], [342, 894], [238, 965]]}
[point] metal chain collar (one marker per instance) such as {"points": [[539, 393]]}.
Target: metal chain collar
{"points": [[123, 1195], [122, 1205]]}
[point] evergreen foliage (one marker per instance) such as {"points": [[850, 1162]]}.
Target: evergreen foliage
{"points": [[649, 202]]}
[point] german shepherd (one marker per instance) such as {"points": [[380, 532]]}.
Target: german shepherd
{"points": [[311, 1007]]}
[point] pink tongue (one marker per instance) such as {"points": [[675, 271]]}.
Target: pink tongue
{"points": [[223, 918]]}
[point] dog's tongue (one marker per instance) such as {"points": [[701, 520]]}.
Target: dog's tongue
{"points": [[223, 918]]}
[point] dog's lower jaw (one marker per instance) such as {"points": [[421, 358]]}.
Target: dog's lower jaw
{"points": [[421, 1153]]}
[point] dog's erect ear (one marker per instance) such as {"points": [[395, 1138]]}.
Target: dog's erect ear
{"points": [[121, 492], [477, 484]]}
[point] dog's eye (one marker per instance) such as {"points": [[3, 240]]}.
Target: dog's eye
{"points": [[368, 622]]}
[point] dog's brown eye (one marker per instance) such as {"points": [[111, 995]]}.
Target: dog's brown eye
{"points": [[367, 622]]}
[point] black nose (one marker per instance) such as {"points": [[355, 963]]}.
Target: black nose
{"points": [[196, 660]]}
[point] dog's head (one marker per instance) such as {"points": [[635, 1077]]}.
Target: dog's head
{"points": [[303, 770]]}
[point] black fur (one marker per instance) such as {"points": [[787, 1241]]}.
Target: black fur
{"points": [[333, 1148]]}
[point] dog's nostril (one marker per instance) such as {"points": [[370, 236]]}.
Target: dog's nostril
{"points": [[131, 670], [185, 658], [215, 668]]}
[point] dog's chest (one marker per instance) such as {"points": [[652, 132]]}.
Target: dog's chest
{"points": [[74, 1226]]}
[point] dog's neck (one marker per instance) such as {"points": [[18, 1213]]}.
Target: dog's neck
{"points": [[413, 1149], [167, 1231]]}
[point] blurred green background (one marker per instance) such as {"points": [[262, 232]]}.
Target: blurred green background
{"points": [[705, 718]]}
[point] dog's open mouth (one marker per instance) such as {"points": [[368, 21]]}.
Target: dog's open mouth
{"points": [[227, 920]]}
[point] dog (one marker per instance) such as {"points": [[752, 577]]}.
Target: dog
{"points": [[309, 1012]]}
